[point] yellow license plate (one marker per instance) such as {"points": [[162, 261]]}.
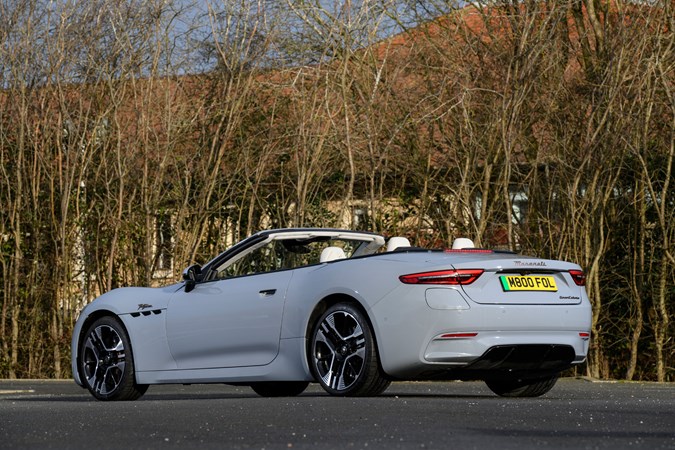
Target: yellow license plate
{"points": [[528, 283]]}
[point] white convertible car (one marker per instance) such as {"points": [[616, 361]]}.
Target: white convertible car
{"points": [[349, 310]]}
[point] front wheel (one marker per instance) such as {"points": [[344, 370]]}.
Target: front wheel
{"points": [[106, 362], [343, 354], [522, 388]]}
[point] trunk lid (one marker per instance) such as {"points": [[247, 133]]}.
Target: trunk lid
{"points": [[522, 280]]}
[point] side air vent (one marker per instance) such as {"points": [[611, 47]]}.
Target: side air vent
{"points": [[146, 313]]}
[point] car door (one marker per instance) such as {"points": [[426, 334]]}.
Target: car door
{"points": [[231, 322]]}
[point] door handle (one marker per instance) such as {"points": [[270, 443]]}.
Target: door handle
{"points": [[267, 292]]}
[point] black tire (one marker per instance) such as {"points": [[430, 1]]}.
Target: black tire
{"points": [[106, 362], [343, 356], [522, 388], [280, 388]]}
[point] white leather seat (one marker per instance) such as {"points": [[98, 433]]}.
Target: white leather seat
{"points": [[397, 242], [332, 254]]}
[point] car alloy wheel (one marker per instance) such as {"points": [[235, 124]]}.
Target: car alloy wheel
{"points": [[107, 363], [344, 355]]}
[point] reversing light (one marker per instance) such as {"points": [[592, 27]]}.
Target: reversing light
{"points": [[579, 277], [446, 277]]}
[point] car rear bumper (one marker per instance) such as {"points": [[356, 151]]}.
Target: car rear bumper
{"points": [[526, 361], [417, 340], [463, 351], [496, 353]]}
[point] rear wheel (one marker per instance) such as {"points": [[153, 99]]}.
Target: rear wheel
{"points": [[343, 354], [280, 388], [522, 388], [106, 362]]}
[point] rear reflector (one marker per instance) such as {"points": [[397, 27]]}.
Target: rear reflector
{"points": [[451, 277], [579, 277], [457, 335], [583, 335]]}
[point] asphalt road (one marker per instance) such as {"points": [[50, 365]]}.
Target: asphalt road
{"points": [[576, 414]]}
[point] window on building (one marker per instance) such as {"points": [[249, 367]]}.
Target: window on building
{"points": [[360, 218]]}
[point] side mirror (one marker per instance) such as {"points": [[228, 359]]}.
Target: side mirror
{"points": [[191, 275]]}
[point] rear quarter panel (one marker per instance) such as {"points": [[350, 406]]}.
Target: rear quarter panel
{"points": [[367, 280]]}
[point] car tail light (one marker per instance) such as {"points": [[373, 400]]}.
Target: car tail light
{"points": [[468, 250], [579, 277], [452, 277]]}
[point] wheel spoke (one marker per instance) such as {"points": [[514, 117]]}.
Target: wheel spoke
{"points": [[359, 352], [94, 344], [327, 375], [112, 378], [357, 332], [329, 332], [91, 359], [91, 380], [118, 366], [336, 375], [324, 337], [109, 339], [91, 348]]}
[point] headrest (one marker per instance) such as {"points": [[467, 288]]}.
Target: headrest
{"points": [[461, 243], [397, 242], [332, 254]]}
